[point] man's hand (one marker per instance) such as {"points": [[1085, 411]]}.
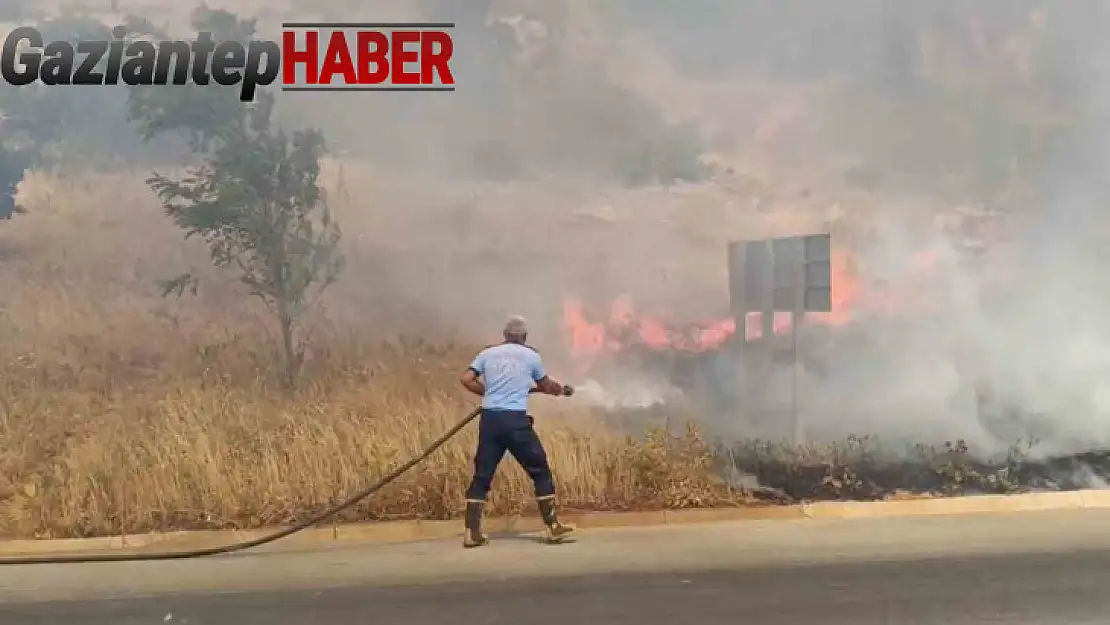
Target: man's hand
{"points": [[547, 386], [561, 391]]}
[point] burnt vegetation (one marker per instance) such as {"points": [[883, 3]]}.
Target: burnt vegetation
{"points": [[863, 469]]}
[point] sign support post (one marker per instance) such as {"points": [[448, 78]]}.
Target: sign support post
{"points": [[791, 275]]}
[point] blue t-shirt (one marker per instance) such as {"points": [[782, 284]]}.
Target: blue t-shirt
{"points": [[509, 371]]}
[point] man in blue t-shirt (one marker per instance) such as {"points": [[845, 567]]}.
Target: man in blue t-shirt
{"points": [[504, 375]]}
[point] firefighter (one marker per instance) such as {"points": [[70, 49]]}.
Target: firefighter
{"points": [[503, 376]]}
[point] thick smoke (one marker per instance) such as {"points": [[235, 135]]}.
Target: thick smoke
{"points": [[608, 147]]}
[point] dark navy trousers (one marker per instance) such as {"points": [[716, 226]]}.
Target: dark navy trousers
{"points": [[512, 431]]}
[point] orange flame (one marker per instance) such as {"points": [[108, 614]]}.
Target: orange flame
{"points": [[592, 338], [623, 327]]}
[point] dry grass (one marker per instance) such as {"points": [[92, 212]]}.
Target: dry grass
{"points": [[190, 456], [123, 412]]}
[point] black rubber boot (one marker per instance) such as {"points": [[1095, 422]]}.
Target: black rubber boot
{"points": [[473, 536], [555, 530]]}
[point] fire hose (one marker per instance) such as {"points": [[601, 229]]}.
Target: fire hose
{"points": [[269, 538]]}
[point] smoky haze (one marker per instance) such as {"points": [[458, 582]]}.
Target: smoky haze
{"points": [[606, 148]]}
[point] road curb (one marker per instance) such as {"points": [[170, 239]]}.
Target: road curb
{"points": [[408, 531], [978, 504]]}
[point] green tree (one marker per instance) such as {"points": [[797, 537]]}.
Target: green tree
{"points": [[13, 165], [59, 118], [257, 203], [255, 198], [205, 115]]}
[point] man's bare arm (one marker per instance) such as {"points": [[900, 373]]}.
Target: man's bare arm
{"points": [[471, 383], [547, 386]]}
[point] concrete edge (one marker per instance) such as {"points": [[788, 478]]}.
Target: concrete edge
{"points": [[408, 531]]}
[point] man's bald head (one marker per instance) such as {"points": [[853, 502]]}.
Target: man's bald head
{"points": [[516, 329]]}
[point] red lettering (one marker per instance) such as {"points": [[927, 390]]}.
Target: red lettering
{"points": [[436, 48], [376, 55], [338, 60], [400, 56], [291, 57]]}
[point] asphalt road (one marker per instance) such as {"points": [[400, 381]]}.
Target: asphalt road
{"points": [[1035, 568]]}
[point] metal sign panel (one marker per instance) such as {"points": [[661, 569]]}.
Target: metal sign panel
{"points": [[749, 275], [817, 259], [764, 274], [756, 260], [736, 282]]}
